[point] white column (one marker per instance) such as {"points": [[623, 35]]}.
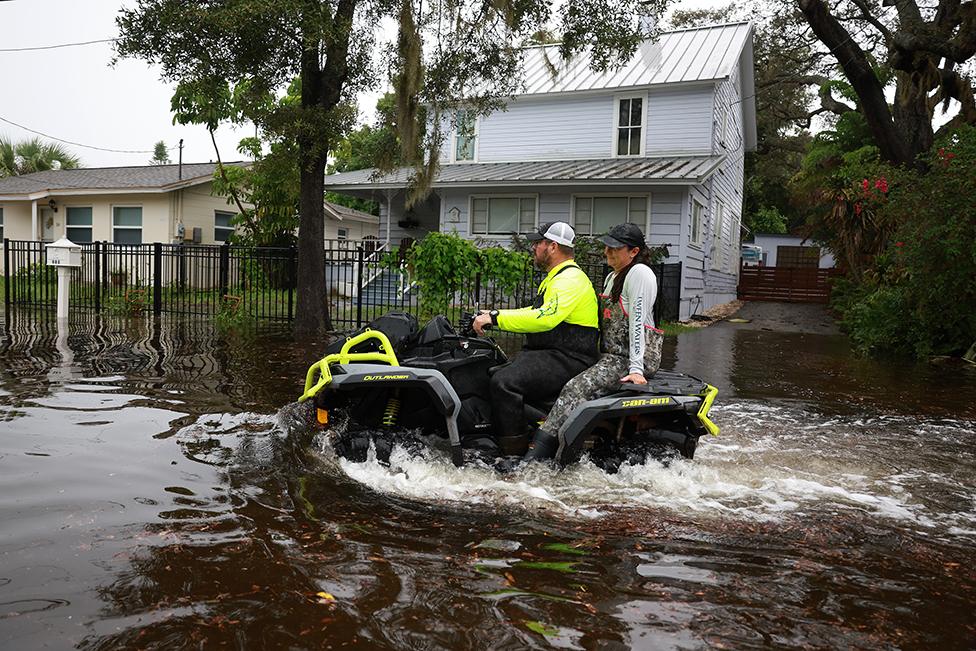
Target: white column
{"points": [[64, 287], [34, 220]]}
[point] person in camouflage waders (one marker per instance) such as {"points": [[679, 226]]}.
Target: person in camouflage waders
{"points": [[630, 344]]}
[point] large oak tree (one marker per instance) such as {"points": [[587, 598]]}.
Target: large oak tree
{"points": [[925, 49]]}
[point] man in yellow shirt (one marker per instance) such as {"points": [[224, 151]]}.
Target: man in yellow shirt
{"points": [[562, 336]]}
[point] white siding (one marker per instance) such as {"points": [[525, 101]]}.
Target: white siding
{"points": [[676, 121], [679, 121], [550, 129], [726, 185]]}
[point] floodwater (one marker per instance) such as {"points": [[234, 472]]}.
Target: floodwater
{"points": [[153, 495]]}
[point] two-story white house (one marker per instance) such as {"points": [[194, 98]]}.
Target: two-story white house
{"points": [[659, 142]]}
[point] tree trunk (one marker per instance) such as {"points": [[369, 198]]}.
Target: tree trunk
{"points": [[312, 307]]}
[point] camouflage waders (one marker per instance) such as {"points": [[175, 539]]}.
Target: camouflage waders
{"points": [[614, 363]]}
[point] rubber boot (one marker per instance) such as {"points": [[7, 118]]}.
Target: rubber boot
{"points": [[544, 447]]}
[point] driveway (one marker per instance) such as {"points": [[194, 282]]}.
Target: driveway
{"points": [[806, 318]]}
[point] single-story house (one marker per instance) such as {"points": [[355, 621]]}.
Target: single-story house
{"points": [[659, 142], [792, 251], [125, 205]]}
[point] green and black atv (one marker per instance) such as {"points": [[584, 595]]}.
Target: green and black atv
{"points": [[394, 384]]}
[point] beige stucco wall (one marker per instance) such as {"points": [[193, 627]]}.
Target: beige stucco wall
{"points": [[16, 220], [198, 210], [161, 212]]}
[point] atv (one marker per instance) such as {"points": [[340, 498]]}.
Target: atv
{"points": [[393, 383]]}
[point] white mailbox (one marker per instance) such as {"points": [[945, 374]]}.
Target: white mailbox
{"points": [[63, 253]]}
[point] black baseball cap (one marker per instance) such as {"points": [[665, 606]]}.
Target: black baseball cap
{"points": [[628, 235]]}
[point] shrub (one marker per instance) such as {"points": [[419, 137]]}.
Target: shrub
{"points": [[919, 296]]}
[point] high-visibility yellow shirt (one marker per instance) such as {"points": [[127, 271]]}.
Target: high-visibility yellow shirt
{"points": [[566, 297]]}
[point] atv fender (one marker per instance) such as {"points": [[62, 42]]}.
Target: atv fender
{"points": [[581, 421], [443, 396]]}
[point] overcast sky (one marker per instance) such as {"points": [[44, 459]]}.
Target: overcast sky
{"points": [[74, 94]]}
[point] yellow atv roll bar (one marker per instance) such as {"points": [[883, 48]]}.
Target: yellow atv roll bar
{"points": [[710, 393], [385, 354]]}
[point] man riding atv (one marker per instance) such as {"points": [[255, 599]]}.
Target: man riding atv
{"points": [[562, 337]]}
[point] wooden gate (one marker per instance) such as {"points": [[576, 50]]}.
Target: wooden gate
{"points": [[785, 284]]}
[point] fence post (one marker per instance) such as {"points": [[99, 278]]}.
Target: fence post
{"points": [[97, 276], [477, 289], [157, 278], [292, 280], [6, 272], [224, 273], [104, 278], [360, 256]]}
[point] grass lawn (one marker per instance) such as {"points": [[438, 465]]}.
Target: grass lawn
{"points": [[673, 328]]}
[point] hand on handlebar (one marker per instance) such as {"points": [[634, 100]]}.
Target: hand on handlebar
{"points": [[480, 322]]}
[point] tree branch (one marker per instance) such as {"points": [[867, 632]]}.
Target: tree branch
{"points": [[861, 75]]}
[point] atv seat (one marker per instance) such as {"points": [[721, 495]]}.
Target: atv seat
{"points": [[667, 383]]}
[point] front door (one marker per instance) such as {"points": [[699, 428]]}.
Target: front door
{"points": [[47, 225]]}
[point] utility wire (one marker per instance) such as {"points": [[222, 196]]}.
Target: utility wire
{"points": [[78, 144], [54, 47]]}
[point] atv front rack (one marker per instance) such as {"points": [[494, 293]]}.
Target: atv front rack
{"points": [[321, 367]]}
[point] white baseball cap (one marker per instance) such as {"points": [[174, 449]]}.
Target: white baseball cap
{"points": [[558, 232]]}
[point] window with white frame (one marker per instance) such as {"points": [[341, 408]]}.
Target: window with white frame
{"points": [[697, 211], [127, 224], [593, 215], [79, 224], [717, 225], [630, 126], [502, 215], [465, 135], [342, 234], [223, 225]]}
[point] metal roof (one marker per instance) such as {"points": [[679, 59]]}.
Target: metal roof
{"points": [[663, 170], [688, 55], [146, 177]]}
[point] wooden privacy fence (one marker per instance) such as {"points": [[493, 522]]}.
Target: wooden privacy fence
{"points": [[785, 284]]}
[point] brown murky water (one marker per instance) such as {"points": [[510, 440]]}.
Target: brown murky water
{"points": [[152, 497]]}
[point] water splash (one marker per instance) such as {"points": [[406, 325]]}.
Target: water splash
{"points": [[772, 462]]}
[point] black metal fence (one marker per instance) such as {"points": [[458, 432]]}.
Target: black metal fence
{"points": [[364, 281]]}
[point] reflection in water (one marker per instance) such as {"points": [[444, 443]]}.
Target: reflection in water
{"points": [[154, 494]]}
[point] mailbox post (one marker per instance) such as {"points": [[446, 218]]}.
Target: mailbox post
{"points": [[63, 254]]}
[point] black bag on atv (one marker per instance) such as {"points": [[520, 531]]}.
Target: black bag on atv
{"points": [[399, 327]]}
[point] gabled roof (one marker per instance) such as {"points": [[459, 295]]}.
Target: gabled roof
{"points": [[144, 178], [682, 56], [681, 170], [341, 213]]}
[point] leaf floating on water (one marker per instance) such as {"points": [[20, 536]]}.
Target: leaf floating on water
{"points": [[547, 630], [565, 549], [556, 566]]}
